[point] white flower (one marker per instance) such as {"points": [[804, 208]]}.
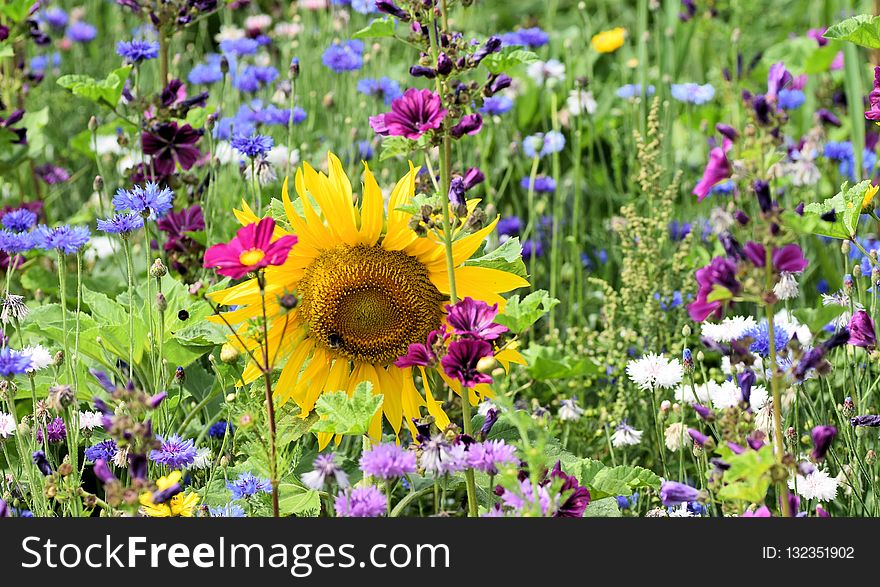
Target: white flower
{"points": [[484, 407], [203, 458], [258, 22], [787, 288], [676, 436], [40, 357], [548, 72], [726, 395], [90, 420], [731, 328], [280, 157], [625, 435], [684, 393], [120, 459], [759, 397], [787, 320], [287, 29], [681, 511], [581, 101], [569, 411], [101, 247], [652, 371], [817, 485], [7, 425], [764, 418], [229, 33], [14, 308], [840, 298]]}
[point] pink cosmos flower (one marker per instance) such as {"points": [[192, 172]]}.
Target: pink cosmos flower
{"points": [[411, 116], [251, 249]]}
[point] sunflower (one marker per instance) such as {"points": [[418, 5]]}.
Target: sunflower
{"points": [[368, 287]]}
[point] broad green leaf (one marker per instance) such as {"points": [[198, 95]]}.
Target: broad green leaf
{"points": [[547, 363], [378, 28], [622, 480], [508, 58], [294, 500], [507, 257], [6, 50], [106, 91], [847, 206], [396, 147], [817, 318], [520, 314], [202, 333], [719, 293], [603, 508], [748, 477], [341, 414], [16, 10], [862, 30]]}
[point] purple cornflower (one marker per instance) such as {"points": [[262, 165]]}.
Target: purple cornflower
{"points": [[496, 105], [440, 457], [388, 461], [52, 174], [509, 226], [67, 239], [175, 452], [149, 200], [488, 455], [347, 56], [13, 362], [54, 16], [137, 50], [822, 437], [252, 146], [218, 429], [239, 47], [13, 243], [460, 362], [474, 319], [325, 470], [123, 224], [673, 493], [411, 116], [384, 88], [361, 502], [19, 220], [104, 450], [861, 330], [56, 431], [81, 32], [206, 73], [246, 485], [531, 37], [254, 78], [542, 144]]}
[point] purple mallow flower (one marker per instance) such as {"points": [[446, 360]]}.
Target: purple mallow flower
{"points": [[474, 319], [822, 437], [717, 170], [411, 116], [673, 493], [861, 330], [462, 358]]}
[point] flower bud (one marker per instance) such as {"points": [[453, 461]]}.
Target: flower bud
{"points": [[98, 184], [161, 302], [486, 364], [158, 269], [93, 124], [229, 354]]}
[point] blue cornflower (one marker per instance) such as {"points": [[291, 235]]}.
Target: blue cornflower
{"points": [[679, 230], [54, 17], [509, 226], [254, 77], [67, 239], [847, 166], [532, 248], [539, 145], [19, 220], [669, 302], [385, 88], [81, 32], [230, 510], [175, 452], [838, 151], [364, 6], [496, 105], [347, 56], [634, 91], [137, 50], [225, 128], [247, 486], [104, 450], [365, 150], [692, 93], [13, 243], [41, 62], [239, 47], [724, 188], [148, 200], [531, 37], [760, 335], [218, 429], [255, 113], [206, 73], [123, 224], [13, 362], [252, 146], [791, 99], [543, 184]]}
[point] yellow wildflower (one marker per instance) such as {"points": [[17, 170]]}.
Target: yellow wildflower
{"points": [[181, 504], [609, 41]]}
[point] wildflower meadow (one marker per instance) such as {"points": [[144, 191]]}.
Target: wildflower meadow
{"points": [[439, 258]]}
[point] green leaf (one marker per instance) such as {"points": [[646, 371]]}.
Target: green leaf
{"points": [[396, 147], [419, 200], [547, 363], [341, 414], [106, 91], [294, 500], [719, 293], [520, 314], [507, 257], [378, 28], [508, 58], [202, 334], [862, 30], [748, 477], [847, 206], [16, 10], [6, 50], [603, 508]]}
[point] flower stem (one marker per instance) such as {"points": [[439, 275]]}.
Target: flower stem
{"points": [[126, 246]]}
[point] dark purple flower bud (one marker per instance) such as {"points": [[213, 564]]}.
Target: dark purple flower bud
{"points": [[866, 420], [137, 466], [756, 253], [422, 71], [472, 177], [746, 380], [794, 504], [294, 68], [42, 463], [492, 45], [389, 7], [761, 108], [702, 411], [444, 64], [719, 464], [741, 217], [497, 83], [4, 508], [755, 442], [157, 399], [727, 130], [166, 494], [799, 209], [821, 512], [829, 216], [861, 330], [469, 124], [102, 472], [827, 117], [762, 192], [456, 192], [673, 493], [841, 337], [491, 418], [822, 436], [698, 436]]}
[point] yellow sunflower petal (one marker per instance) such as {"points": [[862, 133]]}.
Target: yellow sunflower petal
{"points": [[372, 210]]}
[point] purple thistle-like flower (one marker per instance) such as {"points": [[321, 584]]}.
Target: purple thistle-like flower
{"points": [[673, 493], [461, 359], [175, 452], [822, 437], [388, 461], [13, 362], [137, 50], [103, 451], [361, 502], [474, 319], [252, 146], [123, 224], [487, 456], [861, 330], [56, 431], [246, 485], [19, 220], [67, 239], [411, 116], [440, 457], [325, 470]]}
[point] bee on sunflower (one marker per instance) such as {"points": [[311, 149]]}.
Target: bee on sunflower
{"points": [[368, 287]]}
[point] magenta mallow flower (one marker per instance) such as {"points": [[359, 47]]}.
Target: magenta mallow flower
{"points": [[717, 170], [577, 498], [720, 271], [761, 512], [420, 354], [789, 258], [460, 361], [822, 437], [361, 502], [861, 330], [251, 249], [411, 116], [474, 319], [388, 461], [168, 144], [873, 112], [777, 79]]}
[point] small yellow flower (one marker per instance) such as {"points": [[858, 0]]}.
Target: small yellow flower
{"points": [[632, 63], [869, 195], [609, 41], [181, 504]]}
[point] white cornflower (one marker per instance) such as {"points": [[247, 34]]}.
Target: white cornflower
{"points": [[580, 102], [7, 425], [726, 395], [787, 288], [786, 319], [625, 435], [569, 411], [731, 328], [684, 393], [229, 33], [817, 485], [440, 457], [40, 357], [90, 420], [841, 298], [547, 72], [258, 22], [14, 308], [280, 157], [759, 397], [764, 418], [484, 407], [676, 436], [652, 371], [325, 468], [203, 458]]}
